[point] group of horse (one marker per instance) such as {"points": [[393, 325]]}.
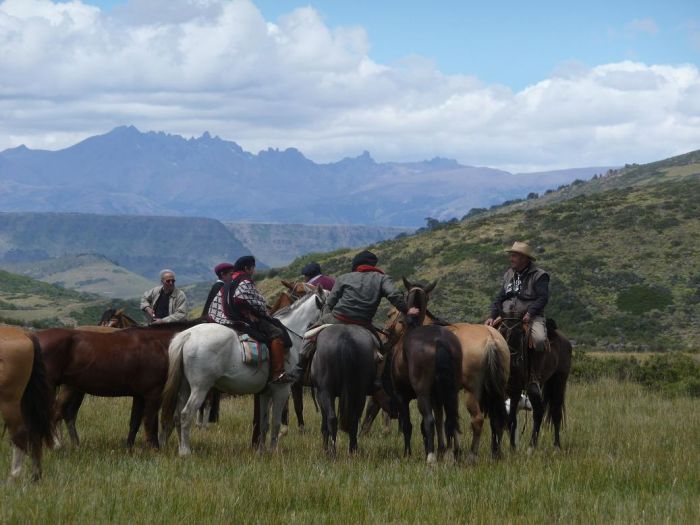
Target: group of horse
{"points": [[170, 368]]}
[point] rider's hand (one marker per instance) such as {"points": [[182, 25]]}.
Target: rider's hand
{"points": [[413, 311], [489, 322]]}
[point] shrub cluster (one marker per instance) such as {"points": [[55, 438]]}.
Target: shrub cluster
{"points": [[672, 374]]}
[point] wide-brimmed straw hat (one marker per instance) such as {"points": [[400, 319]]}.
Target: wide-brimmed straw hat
{"points": [[522, 248]]}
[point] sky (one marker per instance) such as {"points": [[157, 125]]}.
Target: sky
{"points": [[522, 86]]}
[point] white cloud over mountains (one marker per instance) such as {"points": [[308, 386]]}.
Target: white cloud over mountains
{"points": [[68, 71]]}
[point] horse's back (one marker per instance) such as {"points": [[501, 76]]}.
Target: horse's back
{"points": [[213, 352], [16, 361], [340, 349], [476, 341]]}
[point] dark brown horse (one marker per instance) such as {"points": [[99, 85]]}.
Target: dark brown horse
{"points": [[26, 399], [555, 373], [426, 364], [132, 362]]}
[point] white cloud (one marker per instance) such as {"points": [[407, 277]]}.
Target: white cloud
{"points": [[68, 71]]}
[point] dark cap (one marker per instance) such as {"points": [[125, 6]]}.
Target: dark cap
{"points": [[364, 258], [222, 267], [311, 270], [244, 262]]}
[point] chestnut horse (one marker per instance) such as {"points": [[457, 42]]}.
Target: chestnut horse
{"points": [[132, 362], [116, 319], [425, 364], [555, 373], [26, 400]]}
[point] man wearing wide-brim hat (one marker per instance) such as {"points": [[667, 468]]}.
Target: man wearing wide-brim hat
{"points": [[523, 295]]}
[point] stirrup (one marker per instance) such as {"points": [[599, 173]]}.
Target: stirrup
{"points": [[284, 377]]}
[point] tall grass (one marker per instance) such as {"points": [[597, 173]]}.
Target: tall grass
{"points": [[628, 456]]}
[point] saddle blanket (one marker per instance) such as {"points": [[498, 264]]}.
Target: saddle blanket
{"points": [[253, 353]]}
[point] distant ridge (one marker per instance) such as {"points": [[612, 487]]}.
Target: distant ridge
{"points": [[126, 171]]}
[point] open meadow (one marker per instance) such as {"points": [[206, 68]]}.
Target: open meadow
{"points": [[629, 456]]}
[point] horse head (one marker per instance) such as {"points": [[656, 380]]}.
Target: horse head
{"points": [[417, 296], [107, 317]]}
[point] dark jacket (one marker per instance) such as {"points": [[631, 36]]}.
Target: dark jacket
{"points": [[356, 295], [218, 285], [521, 293]]}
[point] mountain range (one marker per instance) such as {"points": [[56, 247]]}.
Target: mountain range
{"points": [[126, 171]]}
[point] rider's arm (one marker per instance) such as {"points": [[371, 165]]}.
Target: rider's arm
{"points": [[497, 302], [536, 308], [333, 297], [395, 297]]}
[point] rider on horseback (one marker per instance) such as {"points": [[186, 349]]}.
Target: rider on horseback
{"points": [[354, 299], [244, 308], [223, 271], [524, 295], [313, 275]]}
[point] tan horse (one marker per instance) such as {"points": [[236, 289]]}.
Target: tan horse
{"points": [[485, 372], [26, 398]]}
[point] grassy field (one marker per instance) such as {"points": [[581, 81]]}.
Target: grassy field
{"points": [[629, 456]]}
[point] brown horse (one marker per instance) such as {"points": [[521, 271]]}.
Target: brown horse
{"points": [[26, 400], [116, 319], [132, 362], [556, 366], [425, 364], [485, 372]]}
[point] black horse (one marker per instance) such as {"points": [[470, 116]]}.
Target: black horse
{"points": [[555, 373], [343, 367]]}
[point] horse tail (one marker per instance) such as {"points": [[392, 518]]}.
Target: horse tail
{"points": [[493, 395], [351, 388], [175, 375], [37, 403], [554, 391], [447, 384]]}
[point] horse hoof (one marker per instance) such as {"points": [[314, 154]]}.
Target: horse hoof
{"points": [[432, 459], [530, 450], [284, 430], [471, 458]]}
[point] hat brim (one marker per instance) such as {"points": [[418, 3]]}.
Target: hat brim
{"points": [[528, 255]]}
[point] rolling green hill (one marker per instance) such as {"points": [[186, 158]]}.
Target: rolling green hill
{"points": [[28, 302], [622, 251], [85, 273]]}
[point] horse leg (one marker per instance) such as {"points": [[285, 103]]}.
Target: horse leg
{"points": [[439, 413], [513, 421], [537, 416], [427, 427], [280, 400], [284, 422], [354, 425], [555, 390], [150, 418], [406, 427], [203, 412], [137, 408], [70, 415], [371, 412], [255, 438], [17, 458], [197, 395], [329, 422], [298, 398], [214, 406], [264, 400], [477, 423]]}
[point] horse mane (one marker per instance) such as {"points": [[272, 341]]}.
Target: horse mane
{"points": [[437, 320]]}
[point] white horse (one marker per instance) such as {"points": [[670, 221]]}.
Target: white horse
{"points": [[210, 355]]}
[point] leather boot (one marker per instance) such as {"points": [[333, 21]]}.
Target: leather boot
{"points": [[277, 351], [305, 356]]}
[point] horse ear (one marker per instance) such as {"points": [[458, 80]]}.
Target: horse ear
{"points": [[431, 286], [287, 284], [406, 283]]}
